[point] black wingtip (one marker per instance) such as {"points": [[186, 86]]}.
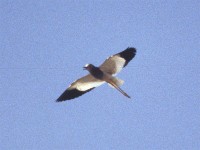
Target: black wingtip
{"points": [[71, 94], [131, 49], [128, 54], [58, 100]]}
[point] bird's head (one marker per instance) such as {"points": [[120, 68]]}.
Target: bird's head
{"points": [[88, 67]]}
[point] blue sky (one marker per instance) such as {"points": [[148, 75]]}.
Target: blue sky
{"points": [[45, 44]]}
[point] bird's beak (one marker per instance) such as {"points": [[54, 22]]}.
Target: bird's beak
{"points": [[84, 68]]}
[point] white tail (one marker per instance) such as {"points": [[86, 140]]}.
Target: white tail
{"points": [[118, 82], [119, 89]]}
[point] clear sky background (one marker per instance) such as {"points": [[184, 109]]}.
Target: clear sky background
{"points": [[45, 44]]}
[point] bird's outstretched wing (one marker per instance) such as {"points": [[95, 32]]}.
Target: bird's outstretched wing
{"points": [[115, 63], [80, 87]]}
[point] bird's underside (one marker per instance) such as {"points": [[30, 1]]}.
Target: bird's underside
{"points": [[99, 75]]}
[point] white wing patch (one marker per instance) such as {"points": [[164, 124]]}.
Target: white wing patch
{"points": [[113, 64], [89, 85], [85, 83]]}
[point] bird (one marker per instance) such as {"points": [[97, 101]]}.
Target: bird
{"points": [[97, 76]]}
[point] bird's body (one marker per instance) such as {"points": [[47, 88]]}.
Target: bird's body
{"points": [[99, 75], [95, 71]]}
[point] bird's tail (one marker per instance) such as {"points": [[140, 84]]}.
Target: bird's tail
{"points": [[118, 82], [118, 88]]}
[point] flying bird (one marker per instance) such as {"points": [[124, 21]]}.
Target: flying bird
{"points": [[99, 75]]}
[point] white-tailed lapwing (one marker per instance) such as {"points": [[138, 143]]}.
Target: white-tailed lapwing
{"points": [[99, 75]]}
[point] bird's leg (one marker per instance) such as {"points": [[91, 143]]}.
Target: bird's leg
{"points": [[119, 89]]}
